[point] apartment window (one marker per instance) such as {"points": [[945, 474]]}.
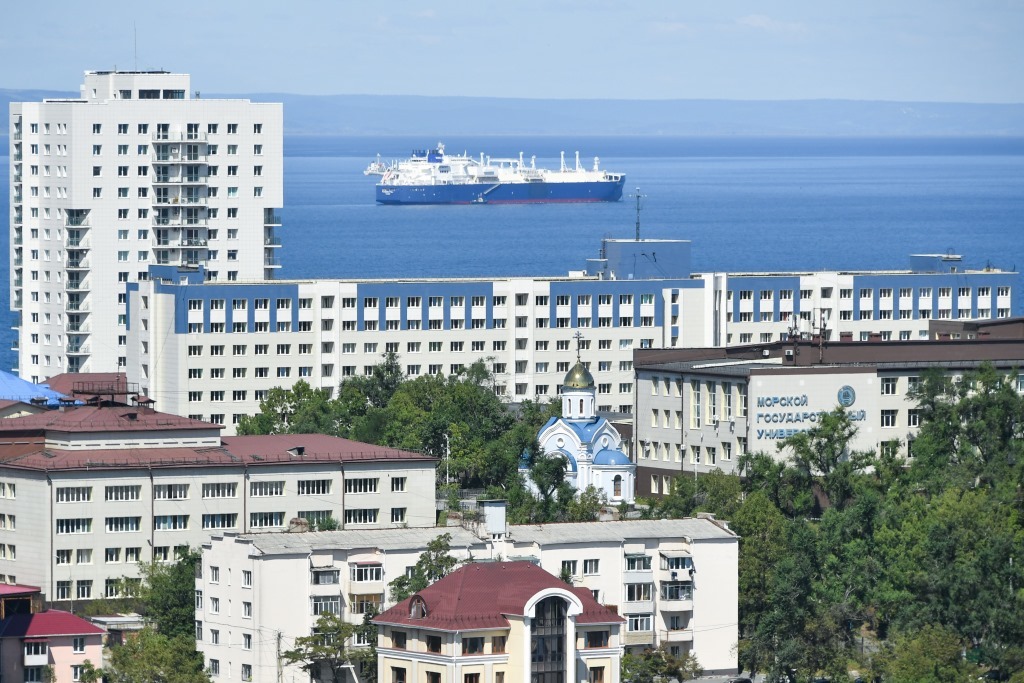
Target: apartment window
{"points": [[315, 487], [638, 622], [888, 386], [259, 489], [361, 516], [81, 525], [362, 485], [170, 491], [262, 520], [74, 494], [889, 418]]}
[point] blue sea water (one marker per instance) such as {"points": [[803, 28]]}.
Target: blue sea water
{"points": [[746, 203]]}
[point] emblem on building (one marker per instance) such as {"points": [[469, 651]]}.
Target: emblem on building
{"points": [[847, 396]]}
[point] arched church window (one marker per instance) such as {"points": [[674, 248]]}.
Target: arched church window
{"points": [[581, 406], [617, 486]]}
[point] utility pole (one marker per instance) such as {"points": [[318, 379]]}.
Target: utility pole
{"points": [[280, 673], [638, 197]]}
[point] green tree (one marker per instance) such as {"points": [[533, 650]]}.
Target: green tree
{"points": [[822, 456], [659, 664], [323, 655], [168, 595], [365, 658], [153, 657], [932, 655], [298, 410], [434, 563], [381, 384]]}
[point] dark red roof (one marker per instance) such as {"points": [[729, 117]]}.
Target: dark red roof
{"points": [[101, 419], [66, 381], [48, 623], [11, 589], [252, 451], [479, 596]]}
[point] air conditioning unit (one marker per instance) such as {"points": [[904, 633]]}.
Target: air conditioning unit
{"points": [[675, 575], [789, 354]]}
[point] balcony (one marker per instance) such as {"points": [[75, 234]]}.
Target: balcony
{"points": [[77, 264], [17, 220], [74, 286], [16, 157], [17, 282], [78, 328], [76, 222], [17, 199], [17, 261], [15, 136], [18, 241], [676, 636], [271, 218], [82, 306], [639, 638], [17, 177], [271, 262], [638, 606], [179, 201], [272, 242], [179, 137], [78, 242], [192, 242], [78, 349], [176, 158], [37, 659], [638, 576]]}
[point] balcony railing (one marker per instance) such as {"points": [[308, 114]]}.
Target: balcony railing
{"points": [[17, 177], [17, 261], [271, 218], [16, 199], [17, 220], [272, 242], [78, 263], [193, 242], [271, 262], [78, 348], [676, 636], [78, 328], [76, 222], [81, 306], [73, 286], [15, 136], [179, 137], [17, 241], [78, 243]]}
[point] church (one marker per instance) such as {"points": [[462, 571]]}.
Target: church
{"points": [[590, 444]]}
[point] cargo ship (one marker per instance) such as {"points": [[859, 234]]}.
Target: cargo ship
{"points": [[434, 177]]}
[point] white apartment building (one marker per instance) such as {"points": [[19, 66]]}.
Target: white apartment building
{"points": [[88, 493], [136, 171], [213, 350], [673, 581], [698, 411]]}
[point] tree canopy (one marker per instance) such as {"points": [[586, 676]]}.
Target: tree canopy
{"points": [[921, 556]]}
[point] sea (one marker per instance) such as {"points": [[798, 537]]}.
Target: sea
{"points": [[746, 203]]}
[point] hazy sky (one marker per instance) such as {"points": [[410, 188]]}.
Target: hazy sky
{"points": [[914, 50]]}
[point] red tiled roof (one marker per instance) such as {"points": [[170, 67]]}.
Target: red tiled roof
{"points": [[252, 451], [48, 623], [101, 419], [479, 595]]}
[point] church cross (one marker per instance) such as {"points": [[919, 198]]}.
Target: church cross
{"points": [[578, 336]]}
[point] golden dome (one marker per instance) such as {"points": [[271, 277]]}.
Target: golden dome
{"points": [[578, 378]]}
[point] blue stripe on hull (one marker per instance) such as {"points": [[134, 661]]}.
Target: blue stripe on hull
{"points": [[509, 193]]}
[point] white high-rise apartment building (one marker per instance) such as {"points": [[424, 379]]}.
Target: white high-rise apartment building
{"points": [[137, 171]]}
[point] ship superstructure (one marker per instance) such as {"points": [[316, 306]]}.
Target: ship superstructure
{"points": [[436, 177]]}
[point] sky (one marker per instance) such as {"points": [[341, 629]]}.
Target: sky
{"points": [[905, 50]]}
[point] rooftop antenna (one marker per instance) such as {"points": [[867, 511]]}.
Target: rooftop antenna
{"points": [[638, 197]]}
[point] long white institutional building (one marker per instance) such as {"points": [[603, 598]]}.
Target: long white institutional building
{"points": [[212, 350], [134, 172]]}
